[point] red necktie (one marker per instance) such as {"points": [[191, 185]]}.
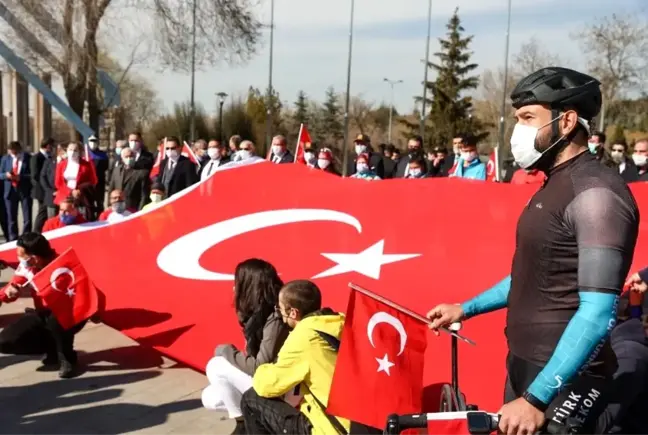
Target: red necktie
{"points": [[14, 171]]}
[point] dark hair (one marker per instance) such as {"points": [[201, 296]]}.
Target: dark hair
{"points": [[47, 141], [468, 139], [621, 142], [302, 295], [173, 139], [14, 145], [256, 288], [36, 244], [70, 200], [418, 158], [137, 133], [396, 150], [236, 139], [602, 137], [382, 147], [418, 139], [391, 148], [158, 186]]}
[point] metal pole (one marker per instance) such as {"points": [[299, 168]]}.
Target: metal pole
{"points": [[425, 73], [192, 114], [269, 108], [502, 125], [220, 121], [345, 145], [391, 112]]}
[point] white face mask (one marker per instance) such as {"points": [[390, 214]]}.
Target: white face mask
{"points": [[213, 153], [362, 167], [359, 149], [468, 156], [93, 145], [156, 197], [617, 156], [133, 144], [128, 161], [118, 151], [172, 154], [639, 159], [523, 143], [323, 163], [309, 157], [243, 155], [277, 150], [73, 155]]}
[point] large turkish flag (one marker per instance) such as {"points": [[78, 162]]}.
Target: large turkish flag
{"points": [[167, 273]]}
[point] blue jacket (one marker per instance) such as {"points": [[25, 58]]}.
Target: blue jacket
{"points": [[476, 170], [24, 183]]}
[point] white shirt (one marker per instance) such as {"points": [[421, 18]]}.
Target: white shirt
{"points": [[116, 217], [622, 167], [70, 173], [209, 169]]}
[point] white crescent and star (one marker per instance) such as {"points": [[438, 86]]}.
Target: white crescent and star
{"points": [[63, 271], [384, 364], [181, 258]]}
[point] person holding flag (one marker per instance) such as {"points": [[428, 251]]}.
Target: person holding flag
{"points": [[58, 314]]}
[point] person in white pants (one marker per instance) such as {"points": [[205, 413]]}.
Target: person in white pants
{"points": [[226, 387]]}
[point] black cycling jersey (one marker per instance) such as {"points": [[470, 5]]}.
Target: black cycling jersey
{"points": [[578, 232]]}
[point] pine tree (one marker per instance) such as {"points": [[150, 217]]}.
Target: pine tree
{"points": [[332, 118], [300, 115], [449, 107]]}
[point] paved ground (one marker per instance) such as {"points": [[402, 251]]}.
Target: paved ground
{"points": [[125, 388]]}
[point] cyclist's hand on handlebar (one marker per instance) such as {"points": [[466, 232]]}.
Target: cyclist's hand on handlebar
{"points": [[444, 315], [519, 417]]}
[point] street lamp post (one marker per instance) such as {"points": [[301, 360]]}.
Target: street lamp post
{"points": [[345, 145], [392, 83], [221, 100], [192, 113], [502, 125], [425, 73]]}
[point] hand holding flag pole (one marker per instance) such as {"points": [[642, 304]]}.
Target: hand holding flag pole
{"points": [[407, 311]]}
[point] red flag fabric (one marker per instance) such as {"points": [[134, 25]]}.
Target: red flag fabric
{"points": [[88, 158], [302, 140], [330, 229], [491, 167], [448, 423], [65, 288], [155, 170], [188, 153], [381, 356]]}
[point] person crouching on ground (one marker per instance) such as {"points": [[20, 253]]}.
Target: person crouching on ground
{"points": [[306, 360], [256, 293], [37, 331]]}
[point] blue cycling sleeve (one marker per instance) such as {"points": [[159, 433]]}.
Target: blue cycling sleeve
{"points": [[491, 300], [579, 344]]}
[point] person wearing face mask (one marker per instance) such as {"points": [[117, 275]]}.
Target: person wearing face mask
{"points": [[362, 145], [99, 160], [596, 142], [469, 166], [437, 162], [157, 196], [200, 150], [626, 167], [177, 172], [37, 332], [69, 214], [215, 155], [47, 180], [245, 155], [118, 209], [363, 170], [75, 177], [143, 157], [640, 159], [279, 153], [326, 162], [414, 149], [15, 172], [37, 162], [417, 167], [575, 242], [310, 156], [134, 183]]}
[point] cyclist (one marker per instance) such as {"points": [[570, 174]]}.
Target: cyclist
{"points": [[574, 245]]}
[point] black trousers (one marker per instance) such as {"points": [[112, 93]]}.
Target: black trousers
{"points": [[578, 404], [41, 216], [38, 332], [272, 416]]}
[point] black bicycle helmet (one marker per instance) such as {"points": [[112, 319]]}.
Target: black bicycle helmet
{"points": [[560, 88]]}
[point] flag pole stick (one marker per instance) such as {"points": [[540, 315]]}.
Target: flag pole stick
{"points": [[406, 311]]}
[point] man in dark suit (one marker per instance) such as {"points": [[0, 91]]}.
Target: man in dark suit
{"points": [[376, 161], [100, 161], [15, 172], [133, 183], [215, 151], [143, 158], [47, 180], [176, 171], [414, 148], [280, 153], [36, 164]]}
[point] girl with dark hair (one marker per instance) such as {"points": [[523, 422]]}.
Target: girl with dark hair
{"points": [[256, 292], [37, 331]]}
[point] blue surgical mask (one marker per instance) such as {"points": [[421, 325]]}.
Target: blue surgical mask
{"points": [[362, 167], [67, 219], [415, 173], [593, 147]]}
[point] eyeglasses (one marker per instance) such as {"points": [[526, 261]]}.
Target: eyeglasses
{"points": [[170, 148]]}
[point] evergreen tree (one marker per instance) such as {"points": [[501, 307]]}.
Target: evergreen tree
{"points": [[332, 118], [449, 107], [300, 115]]}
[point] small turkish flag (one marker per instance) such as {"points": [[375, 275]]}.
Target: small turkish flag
{"points": [[188, 153], [303, 139], [381, 356], [449, 423], [491, 167], [65, 288], [155, 170]]}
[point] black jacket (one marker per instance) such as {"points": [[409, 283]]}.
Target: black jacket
{"points": [[184, 175], [145, 160], [36, 166], [47, 181]]}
